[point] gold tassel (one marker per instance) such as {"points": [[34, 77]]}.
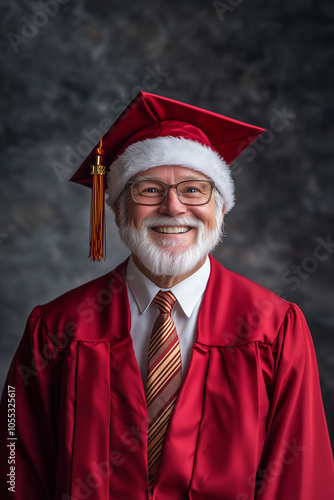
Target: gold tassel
{"points": [[97, 226]]}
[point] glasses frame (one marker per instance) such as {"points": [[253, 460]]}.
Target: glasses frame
{"points": [[167, 188]]}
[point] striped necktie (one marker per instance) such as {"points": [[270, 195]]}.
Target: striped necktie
{"points": [[163, 379]]}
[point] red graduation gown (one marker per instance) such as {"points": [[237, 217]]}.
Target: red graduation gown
{"points": [[249, 421]]}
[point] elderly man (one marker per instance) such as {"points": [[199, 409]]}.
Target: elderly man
{"points": [[171, 377]]}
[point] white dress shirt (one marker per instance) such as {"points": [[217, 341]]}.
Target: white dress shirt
{"points": [[141, 292]]}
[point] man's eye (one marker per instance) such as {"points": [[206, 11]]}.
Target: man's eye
{"points": [[188, 191], [150, 190]]}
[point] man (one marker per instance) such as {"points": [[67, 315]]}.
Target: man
{"points": [[171, 377]]}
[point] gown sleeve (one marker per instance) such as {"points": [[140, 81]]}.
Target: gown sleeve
{"points": [[28, 447], [296, 462]]}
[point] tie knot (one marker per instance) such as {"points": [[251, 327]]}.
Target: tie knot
{"points": [[165, 301]]}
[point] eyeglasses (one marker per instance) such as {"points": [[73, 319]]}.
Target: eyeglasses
{"points": [[150, 192]]}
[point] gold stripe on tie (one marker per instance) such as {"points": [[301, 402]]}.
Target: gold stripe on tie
{"points": [[163, 379]]}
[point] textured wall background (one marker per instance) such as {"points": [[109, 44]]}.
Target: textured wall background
{"points": [[68, 66]]}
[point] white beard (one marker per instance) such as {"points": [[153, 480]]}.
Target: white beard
{"points": [[162, 258]]}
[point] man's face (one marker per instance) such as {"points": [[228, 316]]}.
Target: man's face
{"points": [[172, 208], [170, 239]]}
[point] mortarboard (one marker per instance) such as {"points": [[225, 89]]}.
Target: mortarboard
{"points": [[153, 131]]}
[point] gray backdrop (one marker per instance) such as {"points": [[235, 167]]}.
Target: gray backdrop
{"points": [[69, 66]]}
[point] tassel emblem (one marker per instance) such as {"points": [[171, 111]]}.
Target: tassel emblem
{"points": [[97, 226]]}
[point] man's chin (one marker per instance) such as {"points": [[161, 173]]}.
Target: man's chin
{"points": [[169, 260], [169, 246], [175, 243]]}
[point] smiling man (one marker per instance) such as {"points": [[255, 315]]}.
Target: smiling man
{"points": [[169, 378], [171, 221]]}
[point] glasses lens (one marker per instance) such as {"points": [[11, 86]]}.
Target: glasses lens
{"points": [[194, 192], [148, 192]]}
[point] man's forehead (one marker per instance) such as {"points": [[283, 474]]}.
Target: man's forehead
{"points": [[162, 172]]}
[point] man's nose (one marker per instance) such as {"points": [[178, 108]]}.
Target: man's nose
{"points": [[171, 204]]}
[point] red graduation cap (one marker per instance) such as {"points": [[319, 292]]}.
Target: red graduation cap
{"points": [[153, 131]]}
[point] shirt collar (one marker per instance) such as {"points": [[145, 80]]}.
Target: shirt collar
{"points": [[187, 292]]}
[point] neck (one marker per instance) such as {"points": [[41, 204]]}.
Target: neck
{"points": [[166, 281]]}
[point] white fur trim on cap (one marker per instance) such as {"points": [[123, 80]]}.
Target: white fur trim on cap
{"points": [[169, 150]]}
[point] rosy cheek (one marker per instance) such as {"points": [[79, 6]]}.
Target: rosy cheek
{"points": [[139, 213]]}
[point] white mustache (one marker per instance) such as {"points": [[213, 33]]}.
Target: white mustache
{"points": [[180, 220]]}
